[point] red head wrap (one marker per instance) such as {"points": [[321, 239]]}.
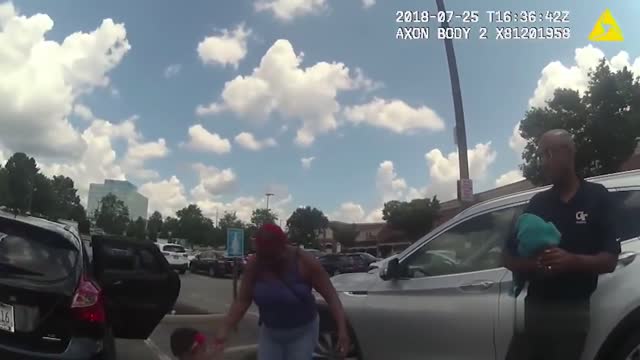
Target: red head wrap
{"points": [[270, 236]]}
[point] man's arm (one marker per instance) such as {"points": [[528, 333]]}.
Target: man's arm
{"points": [[606, 259], [512, 260]]}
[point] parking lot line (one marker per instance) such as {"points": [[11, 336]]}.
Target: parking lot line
{"points": [[156, 350]]}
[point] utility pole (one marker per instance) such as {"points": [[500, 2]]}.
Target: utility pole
{"points": [[216, 217], [460, 130], [268, 195]]}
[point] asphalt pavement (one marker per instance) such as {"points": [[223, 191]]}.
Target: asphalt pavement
{"points": [[200, 294]]}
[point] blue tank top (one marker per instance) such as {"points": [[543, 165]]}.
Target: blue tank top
{"points": [[286, 302]]}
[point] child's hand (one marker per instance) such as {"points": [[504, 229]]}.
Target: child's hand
{"points": [[220, 339]]}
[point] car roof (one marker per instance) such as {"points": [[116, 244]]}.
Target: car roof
{"points": [[610, 181], [64, 230]]}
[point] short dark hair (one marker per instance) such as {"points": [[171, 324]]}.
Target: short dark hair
{"points": [[182, 340]]}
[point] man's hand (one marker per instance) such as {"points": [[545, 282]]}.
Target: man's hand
{"points": [[555, 260]]}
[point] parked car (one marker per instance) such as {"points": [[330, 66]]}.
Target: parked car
{"points": [[55, 303], [336, 264], [176, 256], [214, 263], [448, 296]]}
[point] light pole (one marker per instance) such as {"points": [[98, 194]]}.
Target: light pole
{"points": [[460, 130], [268, 195]]}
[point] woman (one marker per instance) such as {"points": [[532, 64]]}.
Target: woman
{"points": [[280, 279]]}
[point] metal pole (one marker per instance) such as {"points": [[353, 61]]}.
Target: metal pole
{"points": [[461, 133], [268, 195]]}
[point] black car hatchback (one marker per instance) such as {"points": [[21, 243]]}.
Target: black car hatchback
{"points": [[58, 303]]}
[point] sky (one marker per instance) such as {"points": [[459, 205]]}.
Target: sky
{"points": [[316, 101]]}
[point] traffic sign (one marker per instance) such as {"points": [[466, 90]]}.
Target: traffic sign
{"points": [[235, 242], [465, 190]]}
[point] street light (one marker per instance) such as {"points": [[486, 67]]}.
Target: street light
{"points": [[460, 130], [268, 195]]}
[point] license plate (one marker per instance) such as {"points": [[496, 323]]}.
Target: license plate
{"points": [[177, 257], [7, 322]]}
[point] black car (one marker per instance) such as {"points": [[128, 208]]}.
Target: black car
{"points": [[58, 303], [214, 263], [336, 264]]}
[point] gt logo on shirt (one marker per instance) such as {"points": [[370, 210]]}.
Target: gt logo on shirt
{"points": [[581, 217]]}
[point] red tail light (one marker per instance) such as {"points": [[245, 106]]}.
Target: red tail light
{"points": [[88, 304]]}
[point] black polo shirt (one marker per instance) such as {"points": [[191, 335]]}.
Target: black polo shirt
{"points": [[587, 228]]}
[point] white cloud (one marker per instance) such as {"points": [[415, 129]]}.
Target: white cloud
{"points": [[348, 212], [202, 140], [509, 177], [517, 142], [165, 196], [83, 112], [444, 170], [306, 162], [226, 48], [248, 141], [172, 70], [287, 10], [42, 80], [556, 75], [280, 85], [368, 3], [243, 206], [213, 181], [101, 161], [394, 115]]}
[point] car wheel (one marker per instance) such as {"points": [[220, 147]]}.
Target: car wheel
{"points": [[327, 347], [212, 272], [108, 347], [630, 350]]}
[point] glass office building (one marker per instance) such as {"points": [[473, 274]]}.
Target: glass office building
{"points": [[123, 190]]}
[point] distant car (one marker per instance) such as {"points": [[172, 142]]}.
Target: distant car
{"points": [[56, 304], [176, 256], [215, 264], [314, 252], [336, 264]]}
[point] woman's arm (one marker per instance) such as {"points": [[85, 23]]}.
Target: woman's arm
{"points": [[322, 284], [245, 296]]}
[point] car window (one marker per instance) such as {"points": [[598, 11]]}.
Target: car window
{"points": [[174, 248], [149, 262], [627, 213], [473, 245], [38, 255]]}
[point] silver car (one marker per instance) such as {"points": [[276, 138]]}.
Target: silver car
{"points": [[448, 295]]}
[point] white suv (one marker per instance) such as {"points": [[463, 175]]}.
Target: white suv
{"points": [[176, 256]]}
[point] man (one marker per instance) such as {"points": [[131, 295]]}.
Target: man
{"points": [[562, 279]]}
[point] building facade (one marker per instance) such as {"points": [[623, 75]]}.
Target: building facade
{"points": [[127, 192]]}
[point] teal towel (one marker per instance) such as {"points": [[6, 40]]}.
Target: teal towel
{"points": [[534, 235]]}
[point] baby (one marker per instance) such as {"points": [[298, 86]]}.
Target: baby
{"points": [[190, 344]]}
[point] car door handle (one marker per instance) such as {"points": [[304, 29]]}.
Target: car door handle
{"points": [[477, 286], [626, 258]]}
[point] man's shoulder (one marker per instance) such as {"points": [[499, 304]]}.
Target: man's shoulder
{"points": [[541, 196], [595, 188]]}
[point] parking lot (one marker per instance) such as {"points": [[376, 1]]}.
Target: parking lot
{"points": [[201, 303]]}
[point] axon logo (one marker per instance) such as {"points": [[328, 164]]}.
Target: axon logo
{"points": [[581, 217]]}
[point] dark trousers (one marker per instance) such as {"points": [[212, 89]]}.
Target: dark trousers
{"points": [[554, 330]]}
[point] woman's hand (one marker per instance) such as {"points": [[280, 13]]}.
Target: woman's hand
{"points": [[220, 339], [344, 343]]}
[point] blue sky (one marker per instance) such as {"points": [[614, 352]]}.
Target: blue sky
{"points": [[371, 106]]}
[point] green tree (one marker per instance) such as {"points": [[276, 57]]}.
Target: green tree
{"points": [[44, 198], [169, 228], [230, 220], [344, 234], [112, 215], [304, 225], [137, 229], [604, 121], [415, 218], [4, 187], [21, 172], [154, 226], [67, 202], [260, 217], [193, 225]]}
